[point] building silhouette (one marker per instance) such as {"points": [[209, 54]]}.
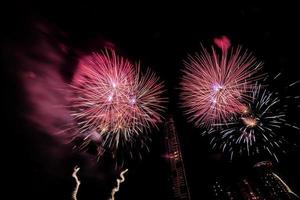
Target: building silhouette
{"points": [[262, 183], [179, 189]]}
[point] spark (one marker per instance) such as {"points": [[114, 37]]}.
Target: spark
{"points": [[74, 175], [119, 181], [294, 83], [279, 74], [213, 86], [249, 121]]}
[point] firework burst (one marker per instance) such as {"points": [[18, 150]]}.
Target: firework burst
{"points": [[213, 85], [256, 129], [113, 101]]}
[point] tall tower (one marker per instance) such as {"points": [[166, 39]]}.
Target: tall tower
{"points": [[178, 180]]}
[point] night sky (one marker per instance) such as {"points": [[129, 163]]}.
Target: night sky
{"points": [[39, 166]]}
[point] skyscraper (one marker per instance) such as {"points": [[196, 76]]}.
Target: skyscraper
{"points": [[272, 186], [178, 181], [262, 183]]}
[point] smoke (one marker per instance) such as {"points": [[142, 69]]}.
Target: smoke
{"points": [[38, 64]]}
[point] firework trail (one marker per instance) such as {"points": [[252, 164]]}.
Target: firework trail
{"points": [[255, 129], [113, 101], [285, 185], [119, 181], [74, 175], [213, 85]]}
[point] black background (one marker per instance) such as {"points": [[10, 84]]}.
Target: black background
{"points": [[37, 167]]}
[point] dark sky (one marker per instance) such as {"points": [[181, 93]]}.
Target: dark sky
{"points": [[39, 167]]}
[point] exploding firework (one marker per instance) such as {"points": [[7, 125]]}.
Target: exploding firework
{"points": [[113, 101], [256, 129], [213, 85]]}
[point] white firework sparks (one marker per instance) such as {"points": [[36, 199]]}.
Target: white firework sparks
{"points": [[255, 130]]}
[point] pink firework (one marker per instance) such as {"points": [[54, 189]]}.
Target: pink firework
{"points": [[222, 42], [213, 86], [114, 100]]}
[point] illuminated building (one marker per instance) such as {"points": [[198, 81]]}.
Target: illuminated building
{"points": [[179, 186], [272, 185], [262, 183]]}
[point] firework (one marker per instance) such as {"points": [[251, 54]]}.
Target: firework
{"points": [[255, 129], [113, 101], [213, 85], [119, 181], [75, 176], [222, 42]]}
